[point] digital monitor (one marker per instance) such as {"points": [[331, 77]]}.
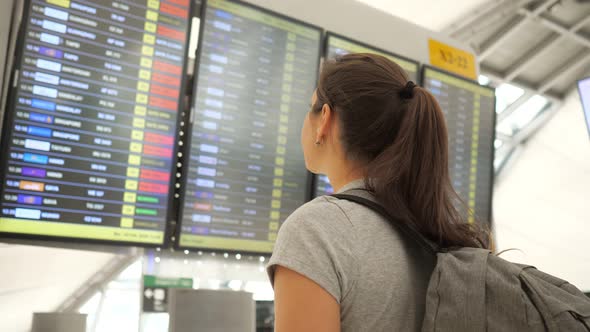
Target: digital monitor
{"points": [[469, 109], [584, 90], [88, 145], [336, 45], [255, 75]]}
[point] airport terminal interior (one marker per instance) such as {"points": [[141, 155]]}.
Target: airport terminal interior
{"points": [[150, 149]]}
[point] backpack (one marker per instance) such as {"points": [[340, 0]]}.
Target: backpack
{"points": [[471, 289]]}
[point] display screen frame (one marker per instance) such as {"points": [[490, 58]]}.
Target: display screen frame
{"points": [[585, 108], [8, 122], [489, 222], [190, 125], [326, 50]]}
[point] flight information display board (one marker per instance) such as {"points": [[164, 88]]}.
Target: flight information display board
{"points": [[469, 109], [336, 45], [90, 138], [246, 173], [584, 90]]}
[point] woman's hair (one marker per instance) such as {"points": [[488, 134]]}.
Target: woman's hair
{"points": [[402, 139]]}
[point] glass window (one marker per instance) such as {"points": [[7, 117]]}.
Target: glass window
{"points": [[498, 143], [523, 115], [120, 311], [506, 94], [120, 306], [483, 80], [501, 158], [91, 308]]}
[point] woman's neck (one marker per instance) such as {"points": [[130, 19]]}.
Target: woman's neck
{"points": [[341, 176]]}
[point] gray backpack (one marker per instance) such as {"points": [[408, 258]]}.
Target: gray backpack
{"points": [[473, 290]]}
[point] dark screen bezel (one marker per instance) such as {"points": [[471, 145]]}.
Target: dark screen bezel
{"points": [[9, 121], [489, 217], [190, 125]]}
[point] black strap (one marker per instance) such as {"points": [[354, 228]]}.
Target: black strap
{"points": [[403, 227]]}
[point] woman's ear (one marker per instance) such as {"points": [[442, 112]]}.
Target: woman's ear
{"points": [[325, 123]]}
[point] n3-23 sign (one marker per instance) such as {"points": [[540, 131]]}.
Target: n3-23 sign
{"points": [[452, 59]]}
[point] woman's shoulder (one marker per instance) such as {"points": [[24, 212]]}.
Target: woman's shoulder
{"points": [[329, 212], [321, 212], [322, 209]]}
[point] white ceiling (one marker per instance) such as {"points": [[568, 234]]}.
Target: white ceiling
{"points": [[431, 14]]}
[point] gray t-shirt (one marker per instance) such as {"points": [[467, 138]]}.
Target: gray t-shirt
{"points": [[378, 277]]}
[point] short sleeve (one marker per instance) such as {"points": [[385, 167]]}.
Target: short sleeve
{"points": [[317, 241]]}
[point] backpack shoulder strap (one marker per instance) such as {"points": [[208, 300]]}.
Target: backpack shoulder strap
{"points": [[403, 227]]}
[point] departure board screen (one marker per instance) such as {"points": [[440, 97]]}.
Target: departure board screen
{"points": [[469, 109], [337, 45], [584, 90], [246, 173], [89, 142]]}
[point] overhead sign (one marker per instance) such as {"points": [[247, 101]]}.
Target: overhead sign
{"points": [[452, 59], [155, 291]]}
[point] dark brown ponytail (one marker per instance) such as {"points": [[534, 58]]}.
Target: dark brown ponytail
{"points": [[399, 133]]}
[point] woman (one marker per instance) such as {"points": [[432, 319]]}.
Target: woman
{"points": [[338, 266]]}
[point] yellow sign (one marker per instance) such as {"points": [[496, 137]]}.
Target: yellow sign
{"points": [[452, 59]]}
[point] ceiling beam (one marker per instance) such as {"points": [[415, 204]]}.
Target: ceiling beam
{"points": [[557, 27], [473, 17], [541, 47], [465, 27], [570, 66], [531, 55], [581, 23], [492, 43], [498, 78]]}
